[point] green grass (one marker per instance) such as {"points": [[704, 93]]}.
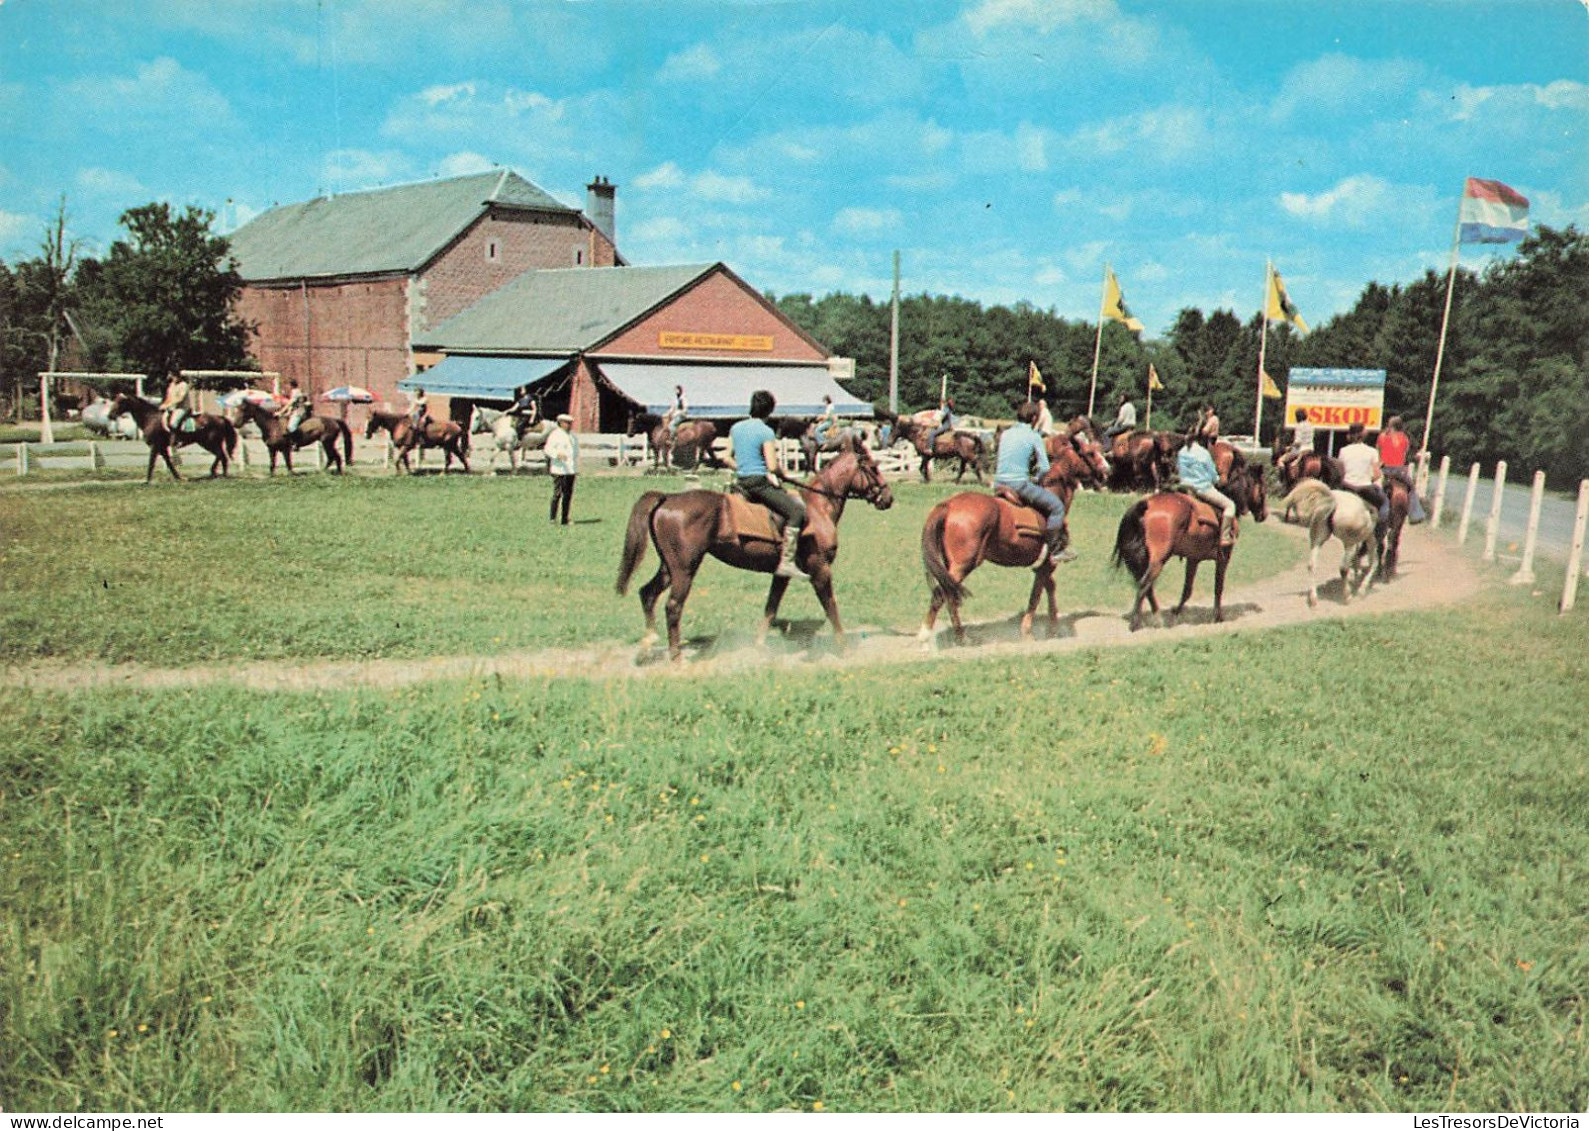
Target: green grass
{"points": [[1232, 874], [316, 567]]}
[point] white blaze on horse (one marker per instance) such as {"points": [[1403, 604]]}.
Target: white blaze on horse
{"points": [[508, 436], [1344, 516]]}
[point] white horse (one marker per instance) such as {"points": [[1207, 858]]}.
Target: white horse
{"points": [[504, 431], [1346, 517], [98, 420]]}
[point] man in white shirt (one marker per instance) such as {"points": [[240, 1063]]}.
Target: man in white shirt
{"points": [[1125, 418], [1362, 474], [562, 461]]}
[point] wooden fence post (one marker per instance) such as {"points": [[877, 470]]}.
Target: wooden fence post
{"points": [[1569, 591], [22, 460], [1439, 500], [1525, 572], [95, 460], [1493, 530], [1467, 504]]}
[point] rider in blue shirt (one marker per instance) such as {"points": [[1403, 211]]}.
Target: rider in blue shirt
{"points": [[1021, 452], [755, 454], [1198, 473]]}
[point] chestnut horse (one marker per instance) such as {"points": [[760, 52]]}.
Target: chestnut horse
{"points": [[1310, 465], [970, 528], [1143, 459], [687, 526], [448, 435], [1390, 548], [1172, 523], [215, 434], [967, 447], [693, 440], [322, 430]]}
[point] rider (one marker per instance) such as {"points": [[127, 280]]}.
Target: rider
{"points": [[1045, 419], [1197, 471], [1393, 445], [676, 414], [757, 468], [418, 411], [1125, 418], [946, 422], [1362, 473], [1208, 426], [296, 408], [825, 420], [525, 409], [175, 404], [1021, 451], [1301, 441]]}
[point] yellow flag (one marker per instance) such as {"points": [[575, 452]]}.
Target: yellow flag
{"points": [[1114, 303], [1153, 378], [1034, 379], [1281, 308], [1270, 389]]}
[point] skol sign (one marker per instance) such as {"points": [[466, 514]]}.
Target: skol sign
{"points": [[1335, 399]]}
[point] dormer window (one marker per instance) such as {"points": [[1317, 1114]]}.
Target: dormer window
{"points": [[493, 251]]}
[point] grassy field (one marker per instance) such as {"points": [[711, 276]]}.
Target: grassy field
{"points": [[1216, 874], [386, 566]]}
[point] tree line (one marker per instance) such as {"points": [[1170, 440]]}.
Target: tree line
{"points": [[1514, 381]]}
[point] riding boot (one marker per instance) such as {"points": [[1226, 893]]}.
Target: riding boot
{"points": [[787, 566], [1227, 531], [1059, 550]]}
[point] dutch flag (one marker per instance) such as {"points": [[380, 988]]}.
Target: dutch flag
{"points": [[1493, 212]]}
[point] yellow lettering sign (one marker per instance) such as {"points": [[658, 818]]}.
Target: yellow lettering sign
{"points": [[682, 340]]}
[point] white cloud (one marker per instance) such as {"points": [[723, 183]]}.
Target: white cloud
{"points": [[1563, 95], [664, 176], [726, 189], [690, 65], [161, 90], [454, 92], [1161, 135], [1362, 201], [15, 227], [348, 170], [866, 221], [1041, 16], [464, 162], [109, 183], [1335, 84]]}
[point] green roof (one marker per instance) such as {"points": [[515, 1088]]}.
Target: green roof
{"points": [[376, 232], [563, 310]]}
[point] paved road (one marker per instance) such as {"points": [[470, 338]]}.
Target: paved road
{"points": [[1556, 514]]}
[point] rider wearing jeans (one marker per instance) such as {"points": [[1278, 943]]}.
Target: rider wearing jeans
{"points": [[1021, 452], [755, 454]]}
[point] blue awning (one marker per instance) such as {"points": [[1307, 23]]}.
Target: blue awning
{"points": [[482, 378], [723, 391]]}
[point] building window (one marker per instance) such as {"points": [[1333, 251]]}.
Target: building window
{"points": [[579, 257], [493, 251]]}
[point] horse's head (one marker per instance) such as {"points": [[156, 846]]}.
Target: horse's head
{"points": [[373, 426], [1251, 493], [1091, 455], [863, 479]]}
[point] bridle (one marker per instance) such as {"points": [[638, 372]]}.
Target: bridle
{"points": [[876, 485]]}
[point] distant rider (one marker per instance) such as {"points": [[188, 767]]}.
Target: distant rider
{"points": [[1022, 461], [175, 404], [946, 422], [825, 421], [1301, 441], [757, 470], [677, 413], [1125, 418], [296, 408]]}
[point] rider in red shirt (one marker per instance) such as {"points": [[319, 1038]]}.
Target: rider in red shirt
{"points": [[1393, 446]]}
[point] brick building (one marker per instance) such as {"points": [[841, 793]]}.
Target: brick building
{"points": [[340, 287], [604, 344]]}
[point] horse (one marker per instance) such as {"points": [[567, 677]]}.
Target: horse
{"points": [[967, 447], [1328, 512], [1227, 458], [970, 528], [322, 430], [447, 435], [693, 441], [98, 418], [837, 439], [510, 434], [1310, 465], [685, 527], [1390, 545], [1174, 523], [215, 434], [1142, 459]]}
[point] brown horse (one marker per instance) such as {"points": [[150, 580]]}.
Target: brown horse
{"points": [[215, 434], [322, 430], [1143, 460], [687, 526], [1309, 465], [1171, 523], [448, 435], [1227, 458], [1390, 550], [967, 447], [690, 446], [970, 528]]}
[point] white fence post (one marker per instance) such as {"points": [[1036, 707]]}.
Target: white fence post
{"points": [[22, 460], [1467, 504], [1569, 592], [1493, 529], [1525, 572], [1420, 478], [319, 457], [386, 453], [95, 460], [1439, 500]]}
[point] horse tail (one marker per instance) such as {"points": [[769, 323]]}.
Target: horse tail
{"points": [[636, 537], [347, 442], [1131, 544], [934, 558]]}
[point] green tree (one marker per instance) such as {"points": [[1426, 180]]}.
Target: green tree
{"points": [[164, 298]]}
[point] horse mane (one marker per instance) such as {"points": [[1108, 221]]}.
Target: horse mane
{"points": [[1308, 498], [646, 420]]}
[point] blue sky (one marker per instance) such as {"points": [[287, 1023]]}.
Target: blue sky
{"points": [[1007, 148]]}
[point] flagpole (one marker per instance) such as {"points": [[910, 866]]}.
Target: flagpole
{"points": [[1263, 352], [1445, 319], [1147, 425], [1097, 345]]}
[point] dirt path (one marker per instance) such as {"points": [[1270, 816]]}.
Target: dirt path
{"points": [[1433, 573]]}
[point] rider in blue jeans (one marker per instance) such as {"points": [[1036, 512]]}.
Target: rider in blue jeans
{"points": [[1021, 453]]}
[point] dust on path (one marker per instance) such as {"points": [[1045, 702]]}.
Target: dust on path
{"points": [[1433, 573]]}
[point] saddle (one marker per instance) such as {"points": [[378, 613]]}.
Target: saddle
{"points": [[1025, 521], [1203, 513], [750, 522]]}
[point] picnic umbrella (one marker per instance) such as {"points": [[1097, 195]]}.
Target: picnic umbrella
{"points": [[252, 396], [348, 394]]}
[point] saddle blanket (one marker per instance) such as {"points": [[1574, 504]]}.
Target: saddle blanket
{"points": [[750, 522], [1027, 522]]}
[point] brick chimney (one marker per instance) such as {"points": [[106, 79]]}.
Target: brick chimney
{"points": [[599, 207]]}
